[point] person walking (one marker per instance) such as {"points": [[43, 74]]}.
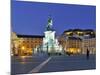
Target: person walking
{"points": [[87, 54]]}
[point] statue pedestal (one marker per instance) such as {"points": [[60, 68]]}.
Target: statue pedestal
{"points": [[50, 43]]}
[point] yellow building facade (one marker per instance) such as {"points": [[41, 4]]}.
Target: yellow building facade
{"points": [[25, 44], [78, 41]]}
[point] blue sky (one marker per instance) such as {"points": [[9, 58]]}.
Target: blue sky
{"points": [[30, 18]]}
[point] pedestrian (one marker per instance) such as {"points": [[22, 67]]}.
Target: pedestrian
{"points": [[87, 54]]}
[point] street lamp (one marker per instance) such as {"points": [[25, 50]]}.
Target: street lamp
{"points": [[23, 48], [47, 47]]}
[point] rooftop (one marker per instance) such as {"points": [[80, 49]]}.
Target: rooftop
{"points": [[30, 36]]}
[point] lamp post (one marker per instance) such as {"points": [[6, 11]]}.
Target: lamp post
{"points": [[47, 47]]}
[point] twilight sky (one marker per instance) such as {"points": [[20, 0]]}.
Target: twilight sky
{"points": [[30, 18]]}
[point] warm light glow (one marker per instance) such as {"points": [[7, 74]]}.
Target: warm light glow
{"points": [[79, 32], [23, 48], [74, 50], [68, 33], [91, 32], [29, 50], [22, 57], [78, 50]]}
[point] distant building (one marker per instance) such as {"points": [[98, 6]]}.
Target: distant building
{"points": [[26, 44], [72, 41], [90, 44], [77, 41], [74, 45]]}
